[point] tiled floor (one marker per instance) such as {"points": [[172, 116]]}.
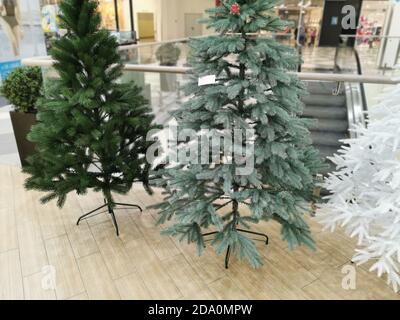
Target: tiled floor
{"points": [[318, 57], [44, 255]]}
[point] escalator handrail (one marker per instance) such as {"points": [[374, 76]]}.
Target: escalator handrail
{"points": [[355, 95], [354, 114], [362, 87], [359, 72]]}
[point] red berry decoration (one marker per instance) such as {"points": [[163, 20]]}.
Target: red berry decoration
{"points": [[235, 9]]}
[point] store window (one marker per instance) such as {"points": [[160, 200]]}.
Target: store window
{"points": [[311, 20], [125, 15], [117, 16], [372, 19], [109, 18]]}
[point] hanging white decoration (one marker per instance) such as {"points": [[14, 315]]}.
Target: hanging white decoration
{"points": [[365, 190]]}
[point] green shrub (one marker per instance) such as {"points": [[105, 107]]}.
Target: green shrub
{"points": [[168, 54], [22, 87]]}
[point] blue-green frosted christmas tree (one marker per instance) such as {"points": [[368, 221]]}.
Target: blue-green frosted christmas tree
{"points": [[253, 91]]}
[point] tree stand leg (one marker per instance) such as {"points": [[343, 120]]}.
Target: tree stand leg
{"points": [[114, 219], [228, 251], [227, 257], [256, 233], [110, 208]]}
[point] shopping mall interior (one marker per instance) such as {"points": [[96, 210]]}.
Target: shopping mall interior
{"points": [[348, 60]]}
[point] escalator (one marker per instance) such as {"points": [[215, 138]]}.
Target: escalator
{"points": [[330, 111], [335, 112]]}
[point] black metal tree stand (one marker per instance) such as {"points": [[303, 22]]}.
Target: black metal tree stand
{"points": [[110, 209], [228, 251]]}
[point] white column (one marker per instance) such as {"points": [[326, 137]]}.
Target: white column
{"points": [[389, 49]]}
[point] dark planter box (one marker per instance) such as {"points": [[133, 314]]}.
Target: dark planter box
{"points": [[22, 124]]}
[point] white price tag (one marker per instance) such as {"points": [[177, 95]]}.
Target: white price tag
{"points": [[203, 81]]}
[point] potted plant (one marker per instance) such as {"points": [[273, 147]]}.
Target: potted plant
{"points": [[22, 88], [168, 55]]}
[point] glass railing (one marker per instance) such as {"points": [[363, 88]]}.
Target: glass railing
{"points": [[175, 52], [162, 85], [125, 37], [168, 53], [370, 50], [344, 60], [146, 64], [366, 56], [318, 59], [164, 91]]}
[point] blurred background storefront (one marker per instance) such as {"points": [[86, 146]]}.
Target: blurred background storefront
{"points": [[28, 26], [312, 12], [117, 16], [372, 20], [158, 20], [321, 19], [144, 20]]}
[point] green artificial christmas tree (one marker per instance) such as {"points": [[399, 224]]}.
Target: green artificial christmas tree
{"points": [[253, 94], [92, 129]]}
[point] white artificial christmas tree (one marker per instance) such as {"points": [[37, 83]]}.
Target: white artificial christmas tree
{"points": [[365, 190]]}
